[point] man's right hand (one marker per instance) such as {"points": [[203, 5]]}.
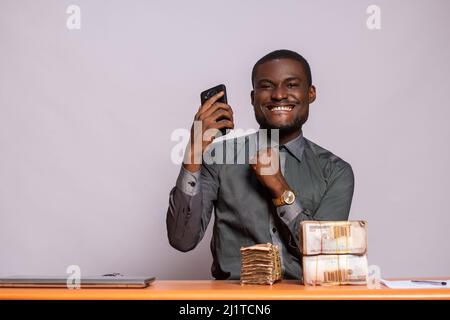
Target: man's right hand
{"points": [[207, 115]]}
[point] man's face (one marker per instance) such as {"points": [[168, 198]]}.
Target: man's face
{"points": [[281, 95]]}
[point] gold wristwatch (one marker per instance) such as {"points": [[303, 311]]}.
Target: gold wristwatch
{"points": [[287, 197]]}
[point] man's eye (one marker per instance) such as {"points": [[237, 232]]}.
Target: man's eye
{"points": [[292, 85], [265, 86]]}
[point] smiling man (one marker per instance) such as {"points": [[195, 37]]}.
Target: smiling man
{"points": [[250, 207]]}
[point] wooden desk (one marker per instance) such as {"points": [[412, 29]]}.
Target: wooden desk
{"points": [[225, 290]]}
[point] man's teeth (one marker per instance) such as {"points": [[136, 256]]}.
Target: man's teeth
{"points": [[281, 108]]}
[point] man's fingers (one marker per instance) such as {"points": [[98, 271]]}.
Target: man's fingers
{"points": [[266, 157], [208, 103], [213, 109], [219, 114], [224, 124], [214, 128]]}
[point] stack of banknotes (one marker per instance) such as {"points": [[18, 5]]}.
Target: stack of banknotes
{"points": [[260, 264], [334, 252]]}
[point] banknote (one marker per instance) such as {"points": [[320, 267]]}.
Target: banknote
{"points": [[335, 269], [260, 264], [333, 237]]}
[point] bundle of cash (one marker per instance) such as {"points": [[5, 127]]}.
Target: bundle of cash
{"points": [[334, 269], [260, 264], [333, 237]]}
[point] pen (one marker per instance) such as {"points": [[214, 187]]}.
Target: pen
{"points": [[437, 283]]}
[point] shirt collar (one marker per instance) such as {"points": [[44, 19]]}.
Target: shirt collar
{"points": [[296, 146]]}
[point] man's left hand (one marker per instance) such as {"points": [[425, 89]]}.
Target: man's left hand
{"points": [[266, 165]]}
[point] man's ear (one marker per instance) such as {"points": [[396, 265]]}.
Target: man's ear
{"points": [[312, 94], [252, 96]]}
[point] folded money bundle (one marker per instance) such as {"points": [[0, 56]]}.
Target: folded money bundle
{"points": [[333, 237], [334, 269], [260, 264], [334, 252]]}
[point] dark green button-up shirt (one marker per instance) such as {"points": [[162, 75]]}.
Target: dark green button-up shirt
{"points": [[243, 209]]}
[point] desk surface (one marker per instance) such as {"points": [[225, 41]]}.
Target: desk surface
{"points": [[225, 290]]}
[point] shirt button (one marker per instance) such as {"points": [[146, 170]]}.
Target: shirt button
{"points": [[274, 230], [282, 214], [192, 183]]}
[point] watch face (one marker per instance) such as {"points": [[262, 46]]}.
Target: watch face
{"points": [[289, 197]]}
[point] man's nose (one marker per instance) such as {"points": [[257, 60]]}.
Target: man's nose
{"points": [[279, 93]]}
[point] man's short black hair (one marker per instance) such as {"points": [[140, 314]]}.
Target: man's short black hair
{"points": [[284, 54]]}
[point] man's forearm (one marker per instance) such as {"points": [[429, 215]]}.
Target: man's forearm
{"points": [[192, 167], [184, 213], [291, 215]]}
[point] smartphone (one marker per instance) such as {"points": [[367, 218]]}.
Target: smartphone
{"points": [[205, 95]]}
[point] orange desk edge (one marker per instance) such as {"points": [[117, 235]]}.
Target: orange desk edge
{"points": [[225, 290]]}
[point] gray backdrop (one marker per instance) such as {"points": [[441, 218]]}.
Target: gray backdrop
{"points": [[86, 118]]}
